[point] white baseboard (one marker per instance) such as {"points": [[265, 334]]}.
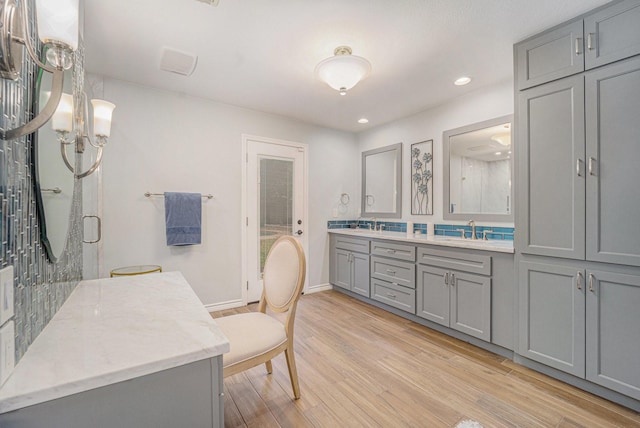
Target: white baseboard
{"points": [[318, 288], [224, 305]]}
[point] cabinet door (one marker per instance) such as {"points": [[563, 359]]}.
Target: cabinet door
{"points": [[613, 150], [612, 34], [342, 269], [360, 281], [432, 294], [552, 55], [551, 169], [471, 304], [552, 309], [613, 333]]}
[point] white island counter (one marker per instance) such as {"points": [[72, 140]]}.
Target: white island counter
{"points": [[133, 340]]}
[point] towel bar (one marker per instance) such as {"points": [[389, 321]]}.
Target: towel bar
{"points": [[149, 194]]}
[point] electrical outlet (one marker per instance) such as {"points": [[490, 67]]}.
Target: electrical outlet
{"points": [[7, 350], [6, 294]]}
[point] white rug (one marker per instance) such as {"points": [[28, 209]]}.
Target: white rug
{"points": [[469, 424]]}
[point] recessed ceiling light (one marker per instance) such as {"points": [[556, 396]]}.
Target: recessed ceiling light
{"points": [[498, 153], [462, 81], [363, 120]]}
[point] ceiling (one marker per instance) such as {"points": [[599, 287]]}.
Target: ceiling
{"points": [[261, 54]]}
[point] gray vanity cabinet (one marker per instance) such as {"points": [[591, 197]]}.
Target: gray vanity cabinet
{"points": [[350, 267], [452, 297], [612, 34], [551, 178], [607, 35], [613, 330], [552, 314], [613, 167], [583, 321], [578, 244], [553, 55], [393, 274]]}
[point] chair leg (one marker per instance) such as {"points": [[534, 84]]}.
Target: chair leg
{"points": [[293, 372], [269, 367]]}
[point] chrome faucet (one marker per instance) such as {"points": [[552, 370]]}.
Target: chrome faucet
{"points": [[375, 224], [473, 229]]}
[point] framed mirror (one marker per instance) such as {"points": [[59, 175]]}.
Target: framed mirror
{"points": [[382, 182], [54, 183], [478, 171]]}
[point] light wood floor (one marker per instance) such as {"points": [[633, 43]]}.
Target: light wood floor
{"points": [[361, 366]]}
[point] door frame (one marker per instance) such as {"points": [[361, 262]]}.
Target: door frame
{"points": [[244, 214]]}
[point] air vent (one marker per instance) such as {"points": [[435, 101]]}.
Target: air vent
{"points": [[178, 62]]}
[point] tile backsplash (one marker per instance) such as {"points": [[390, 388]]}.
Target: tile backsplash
{"points": [[40, 286], [500, 233]]}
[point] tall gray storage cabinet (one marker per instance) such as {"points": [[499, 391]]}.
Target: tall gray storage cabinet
{"points": [[578, 243]]}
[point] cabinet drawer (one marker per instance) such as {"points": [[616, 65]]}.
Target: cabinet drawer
{"points": [[352, 244], [396, 251], [394, 295], [474, 263], [402, 273]]}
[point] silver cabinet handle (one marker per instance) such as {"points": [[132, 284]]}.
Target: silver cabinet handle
{"points": [[592, 165], [453, 280], [591, 282], [99, 228], [393, 296], [446, 278], [590, 41], [579, 280], [390, 251], [578, 167], [392, 272], [578, 45]]}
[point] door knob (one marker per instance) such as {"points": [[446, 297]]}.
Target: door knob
{"points": [[299, 232]]}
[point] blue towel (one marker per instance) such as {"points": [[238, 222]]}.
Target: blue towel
{"points": [[183, 217]]}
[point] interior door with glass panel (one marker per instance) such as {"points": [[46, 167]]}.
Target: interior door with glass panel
{"points": [[275, 203]]}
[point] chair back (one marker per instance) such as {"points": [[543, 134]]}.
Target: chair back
{"points": [[284, 273]]}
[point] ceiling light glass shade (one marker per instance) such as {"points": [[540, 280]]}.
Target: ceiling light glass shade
{"points": [[343, 71], [102, 112]]}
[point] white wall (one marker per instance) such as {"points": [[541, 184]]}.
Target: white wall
{"points": [[480, 105], [164, 141]]}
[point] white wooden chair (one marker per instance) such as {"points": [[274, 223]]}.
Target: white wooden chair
{"points": [[256, 337]]}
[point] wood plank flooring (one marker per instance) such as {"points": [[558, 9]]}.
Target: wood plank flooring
{"points": [[360, 366]]}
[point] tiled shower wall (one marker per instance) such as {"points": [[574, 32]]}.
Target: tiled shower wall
{"points": [[41, 287]]}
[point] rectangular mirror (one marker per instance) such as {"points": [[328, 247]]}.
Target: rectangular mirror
{"points": [[478, 171], [382, 182]]}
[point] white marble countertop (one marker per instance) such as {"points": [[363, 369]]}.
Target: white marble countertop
{"points": [[501, 246], [112, 330]]}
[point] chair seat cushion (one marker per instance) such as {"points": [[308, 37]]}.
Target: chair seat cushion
{"points": [[249, 335]]}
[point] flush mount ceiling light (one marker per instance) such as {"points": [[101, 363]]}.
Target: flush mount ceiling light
{"points": [[343, 71], [461, 81]]}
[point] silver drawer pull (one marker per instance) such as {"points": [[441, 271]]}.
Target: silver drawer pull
{"points": [[393, 296], [390, 251], [578, 167], [590, 41], [453, 280], [446, 278], [591, 282], [392, 272], [592, 166], [578, 43], [579, 280]]}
